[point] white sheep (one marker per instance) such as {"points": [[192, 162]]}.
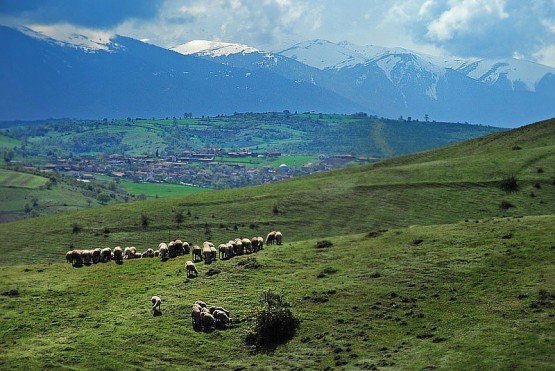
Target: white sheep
{"points": [[156, 302], [279, 237], [190, 268], [118, 255], [164, 252]]}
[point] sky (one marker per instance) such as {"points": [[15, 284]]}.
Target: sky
{"points": [[463, 28]]}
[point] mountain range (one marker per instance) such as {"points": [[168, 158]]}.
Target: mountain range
{"points": [[118, 76]]}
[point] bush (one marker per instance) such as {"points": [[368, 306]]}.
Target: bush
{"points": [[509, 184], [275, 323], [323, 244], [505, 205], [75, 228]]}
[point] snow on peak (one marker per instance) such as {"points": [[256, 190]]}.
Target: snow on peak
{"points": [[213, 48], [69, 35]]}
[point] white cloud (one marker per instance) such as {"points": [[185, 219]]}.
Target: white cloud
{"points": [[463, 17]]}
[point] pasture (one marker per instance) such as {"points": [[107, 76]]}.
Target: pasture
{"points": [[427, 263], [478, 294]]}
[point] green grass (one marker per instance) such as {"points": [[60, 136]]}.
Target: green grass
{"points": [[426, 270], [8, 142], [160, 190], [9, 178], [465, 297]]}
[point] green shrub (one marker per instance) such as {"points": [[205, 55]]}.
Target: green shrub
{"points": [[509, 184], [275, 323]]}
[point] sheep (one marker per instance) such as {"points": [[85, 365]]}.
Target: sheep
{"points": [[179, 247], [247, 245], [213, 252], [208, 321], [196, 317], [87, 257], [255, 244], [164, 252], [279, 237], [186, 248], [200, 303], [128, 253], [232, 248], [260, 243], [270, 238], [221, 318], [238, 246], [118, 255], [105, 255], [223, 251], [75, 257], [149, 253], [190, 268], [213, 309], [156, 302], [156, 253], [96, 255], [69, 256], [196, 252], [172, 253], [207, 251]]}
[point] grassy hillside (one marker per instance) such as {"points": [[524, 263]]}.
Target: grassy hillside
{"points": [[425, 270], [473, 295], [441, 186]]}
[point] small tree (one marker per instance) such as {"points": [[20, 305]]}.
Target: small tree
{"points": [[179, 217], [275, 323], [144, 220], [509, 184]]}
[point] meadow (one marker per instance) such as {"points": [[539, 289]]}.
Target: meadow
{"points": [[429, 264]]}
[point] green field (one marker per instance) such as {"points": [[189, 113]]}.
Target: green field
{"points": [[431, 266], [160, 189], [15, 179]]}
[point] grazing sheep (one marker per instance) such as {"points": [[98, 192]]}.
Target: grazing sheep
{"points": [[186, 248], [190, 268], [127, 253], [270, 238], [255, 244], [172, 253], [239, 247], [221, 318], [156, 302], [213, 309], [76, 258], [69, 256], [200, 303], [260, 243], [87, 257], [179, 247], [208, 321], [196, 317], [207, 251], [223, 251], [156, 253], [279, 237], [164, 251], [196, 251], [149, 253], [96, 255], [247, 245], [105, 255], [118, 255]]}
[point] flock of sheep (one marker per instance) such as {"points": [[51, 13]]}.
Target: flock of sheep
{"points": [[208, 252], [203, 317]]}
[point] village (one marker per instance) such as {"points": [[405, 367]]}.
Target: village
{"points": [[209, 168]]}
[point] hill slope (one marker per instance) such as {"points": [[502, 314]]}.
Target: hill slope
{"points": [[477, 293], [440, 186]]}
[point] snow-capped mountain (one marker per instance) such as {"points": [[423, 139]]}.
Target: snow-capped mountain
{"points": [[98, 75], [515, 74], [212, 48], [42, 77]]}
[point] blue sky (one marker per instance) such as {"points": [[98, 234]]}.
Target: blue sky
{"points": [[464, 28]]}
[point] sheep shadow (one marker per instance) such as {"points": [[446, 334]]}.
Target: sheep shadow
{"points": [[156, 313]]}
